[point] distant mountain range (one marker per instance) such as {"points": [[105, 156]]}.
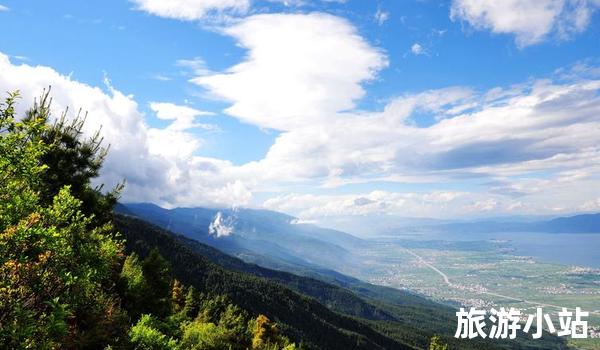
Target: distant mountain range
{"points": [[378, 225], [584, 223], [280, 241], [303, 319], [320, 307], [266, 237]]}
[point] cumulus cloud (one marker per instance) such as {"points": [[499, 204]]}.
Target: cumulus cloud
{"points": [[318, 208], [289, 77], [504, 142], [523, 148], [158, 164], [417, 49], [170, 143], [545, 126], [530, 21], [233, 190], [221, 225], [189, 10], [182, 116]]}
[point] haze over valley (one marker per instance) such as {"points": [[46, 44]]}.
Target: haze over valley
{"points": [[300, 174]]}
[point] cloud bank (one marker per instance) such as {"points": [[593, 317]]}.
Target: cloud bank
{"points": [[531, 22], [531, 147], [158, 164], [190, 10], [298, 69]]}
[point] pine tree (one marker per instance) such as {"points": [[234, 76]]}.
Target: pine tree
{"points": [[177, 296], [192, 303], [133, 286], [158, 284], [61, 262], [264, 333], [145, 335], [437, 344], [57, 264], [235, 325]]}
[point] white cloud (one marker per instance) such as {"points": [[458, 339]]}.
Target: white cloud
{"points": [[196, 66], [484, 205], [289, 77], [381, 16], [221, 226], [510, 136], [530, 21], [445, 204], [417, 49], [234, 190], [546, 126], [171, 143], [189, 10], [290, 81], [591, 205], [3, 8], [183, 116], [161, 77], [159, 164], [322, 208], [225, 10]]}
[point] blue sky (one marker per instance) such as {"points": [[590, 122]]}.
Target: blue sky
{"points": [[328, 108]]}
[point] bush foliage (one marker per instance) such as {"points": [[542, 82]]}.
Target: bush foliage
{"points": [[65, 281]]}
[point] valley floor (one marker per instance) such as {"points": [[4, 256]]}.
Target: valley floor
{"points": [[483, 274]]}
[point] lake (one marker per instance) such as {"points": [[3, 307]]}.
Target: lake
{"points": [[582, 249]]}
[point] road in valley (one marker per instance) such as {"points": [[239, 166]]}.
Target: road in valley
{"points": [[447, 281]]}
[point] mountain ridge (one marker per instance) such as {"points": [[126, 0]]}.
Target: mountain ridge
{"points": [[580, 223], [406, 327], [399, 314]]}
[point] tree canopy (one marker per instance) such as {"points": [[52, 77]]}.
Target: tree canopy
{"points": [[65, 281]]}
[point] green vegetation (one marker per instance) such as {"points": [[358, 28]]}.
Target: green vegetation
{"points": [[414, 320], [74, 275], [57, 263], [485, 274], [436, 344], [303, 319], [172, 316], [65, 281]]}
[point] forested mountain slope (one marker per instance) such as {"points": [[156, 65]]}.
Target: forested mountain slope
{"points": [[303, 319], [65, 279], [258, 235], [406, 318], [74, 276]]}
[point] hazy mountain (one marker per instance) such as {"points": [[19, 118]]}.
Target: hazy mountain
{"points": [[304, 319], [357, 316], [369, 226], [584, 223], [256, 235]]}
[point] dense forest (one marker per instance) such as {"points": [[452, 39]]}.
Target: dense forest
{"points": [[75, 275], [65, 279], [301, 317], [373, 313]]}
